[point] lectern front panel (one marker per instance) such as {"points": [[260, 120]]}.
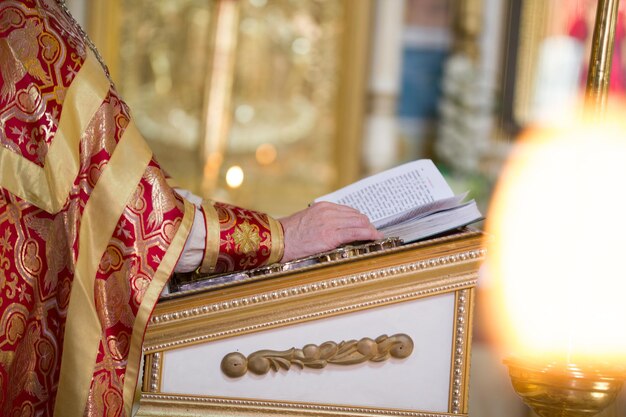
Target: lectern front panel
{"points": [[380, 334], [419, 381]]}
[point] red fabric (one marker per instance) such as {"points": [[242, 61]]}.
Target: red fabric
{"points": [[34, 76], [245, 238], [41, 54]]}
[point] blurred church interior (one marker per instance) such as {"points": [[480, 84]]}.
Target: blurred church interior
{"points": [[268, 104]]}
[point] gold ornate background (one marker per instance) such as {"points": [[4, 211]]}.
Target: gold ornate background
{"points": [[273, 86]]}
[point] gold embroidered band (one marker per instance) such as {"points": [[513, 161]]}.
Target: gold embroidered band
{"points": [[83, 330], [212, 247], [278, 241], [166, 267], [49, 187]]}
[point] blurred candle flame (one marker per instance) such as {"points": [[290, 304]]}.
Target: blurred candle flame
{"points": [[555, 269], [234, 176]]}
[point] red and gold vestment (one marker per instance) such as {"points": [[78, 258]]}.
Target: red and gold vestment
{"points": [[90, 231]]}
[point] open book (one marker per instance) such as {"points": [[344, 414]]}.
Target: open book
{"points": [[411, 201]]}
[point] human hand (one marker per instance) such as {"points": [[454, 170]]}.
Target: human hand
{"points": [[322, 227]]}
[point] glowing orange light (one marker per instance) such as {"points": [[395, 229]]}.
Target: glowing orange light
{"points": [[266, 154], [558, 235]]}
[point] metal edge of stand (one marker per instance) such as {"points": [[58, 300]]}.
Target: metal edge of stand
{"points": [[187, 284]]}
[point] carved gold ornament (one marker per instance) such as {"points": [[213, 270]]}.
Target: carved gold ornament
{"points": [[349, 352]]}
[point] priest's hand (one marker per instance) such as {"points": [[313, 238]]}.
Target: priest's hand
{"points": [[322, 227]]}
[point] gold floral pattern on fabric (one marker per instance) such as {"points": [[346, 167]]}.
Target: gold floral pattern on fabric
{"points": [[103, 397], [32, 279], [245, 238], [38, 250], [135, 250], [47, 250], [36, 67]]}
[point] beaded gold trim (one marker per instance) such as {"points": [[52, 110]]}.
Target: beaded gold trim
{"points": [[326, 285], [181, 401]]}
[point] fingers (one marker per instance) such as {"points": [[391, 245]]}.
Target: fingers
{"points": [[348, 235]]}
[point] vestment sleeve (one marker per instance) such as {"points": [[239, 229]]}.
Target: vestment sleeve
{"points": [[224, 238], [90, 230]]}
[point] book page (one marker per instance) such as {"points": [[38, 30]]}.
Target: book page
{"points": [[419, 212], [394, 191]]}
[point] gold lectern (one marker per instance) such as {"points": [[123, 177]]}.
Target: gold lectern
{"points": [[369, 330]]}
